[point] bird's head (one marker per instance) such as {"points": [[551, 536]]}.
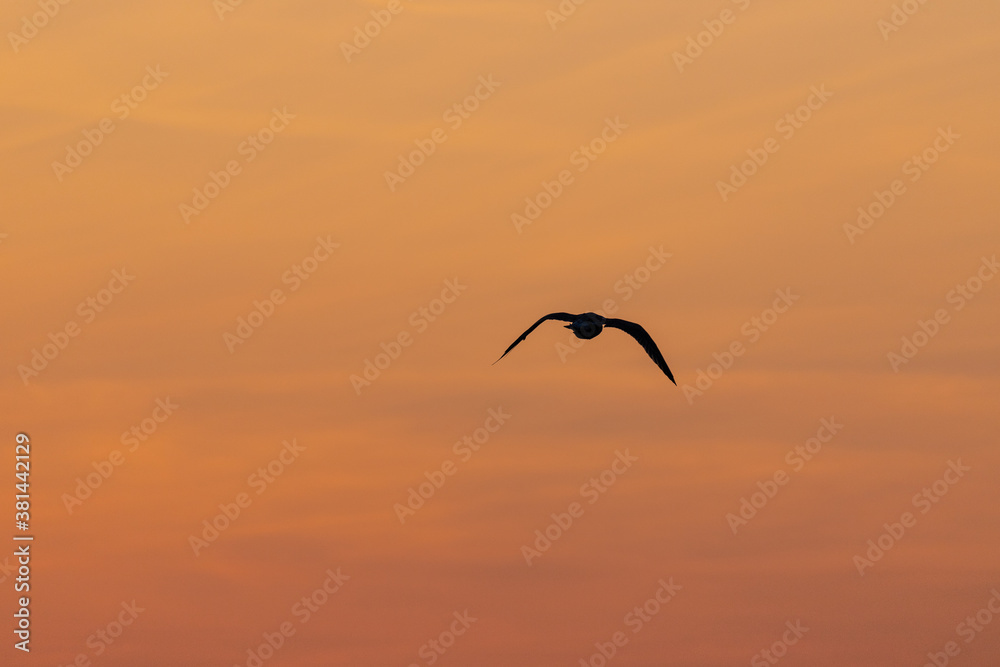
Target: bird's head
{"points": [[585, 328]]}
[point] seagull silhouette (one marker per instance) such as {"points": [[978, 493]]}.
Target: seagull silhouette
{"points": [[588, 325]]}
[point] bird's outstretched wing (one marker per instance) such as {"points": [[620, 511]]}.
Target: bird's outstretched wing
{"points": [[637, 332], [565, 317]]}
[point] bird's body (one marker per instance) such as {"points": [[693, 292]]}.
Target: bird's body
{"points": [[589, 325]]}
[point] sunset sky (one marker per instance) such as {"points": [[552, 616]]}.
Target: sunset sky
{"points": [[258, 263]]}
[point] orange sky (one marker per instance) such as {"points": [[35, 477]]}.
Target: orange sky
{"points": [[245, 170]]}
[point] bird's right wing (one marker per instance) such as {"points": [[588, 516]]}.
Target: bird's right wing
{"points": [[644, 339], [565, 317]]}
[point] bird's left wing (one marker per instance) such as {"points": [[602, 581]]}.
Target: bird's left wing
{"points": [[637, 332], [564, 317]]}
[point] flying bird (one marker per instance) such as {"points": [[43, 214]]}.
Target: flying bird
{"points": [[588, 325]]}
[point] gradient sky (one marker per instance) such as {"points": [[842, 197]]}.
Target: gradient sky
{"points": [[681, 131]]}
